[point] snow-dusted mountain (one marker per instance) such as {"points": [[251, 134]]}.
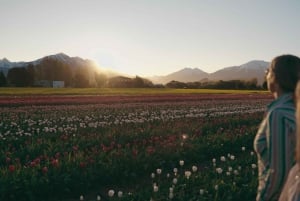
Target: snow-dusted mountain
{"points": [[184, 75], [252, 69], [5, 65], [247, 71], [72, 61]]}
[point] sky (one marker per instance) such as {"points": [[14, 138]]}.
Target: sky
{"points": [[151, 37]]}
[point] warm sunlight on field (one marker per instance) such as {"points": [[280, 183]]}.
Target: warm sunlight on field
{"points": [[119, 91]]}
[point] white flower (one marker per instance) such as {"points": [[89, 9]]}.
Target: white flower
{"points": [[184, 136], [111, 193], [243, 148], [181, 162], [229, 168], [228, 155], [81, 197], [223, 158], [120, 194], [171, 195], [239, 167], [155, 188], [216, 187], [228, 173], [232, 157], [98, 197], [175, 181], [168, 175], [236, 172], [152, 175], [214, 160], [219, 170], [187, 174], [201, 191], [171, 189], [194, 168], [175, 170], [253, 166], [158, 171], [252, 153]]}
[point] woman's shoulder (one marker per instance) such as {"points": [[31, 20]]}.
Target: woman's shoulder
{"points": [[295, 170], [283, 111], [291, 189]]}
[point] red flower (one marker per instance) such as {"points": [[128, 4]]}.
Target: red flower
{"points": [[45, 170], [57, 155], [11, 168], [82, 165], [150, 150], [54, 162], [134, 152], [75, 148], [37, 160], [32, 164]]}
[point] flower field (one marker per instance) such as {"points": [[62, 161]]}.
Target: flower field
{"points": [[143, 147]]}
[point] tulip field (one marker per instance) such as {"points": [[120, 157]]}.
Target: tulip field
{"points": [[129, 147]]}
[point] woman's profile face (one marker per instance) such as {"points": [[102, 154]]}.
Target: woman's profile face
{"points": [[271, 82]]}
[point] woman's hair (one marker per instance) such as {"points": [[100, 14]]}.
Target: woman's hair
{"points": [[297, 94], [287, 71]]}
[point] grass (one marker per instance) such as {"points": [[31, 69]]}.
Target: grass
{"points": [[117, 91]]}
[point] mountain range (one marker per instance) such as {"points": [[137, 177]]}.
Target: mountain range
{"points": [[252, 69], [75, 62], [247, 71]]}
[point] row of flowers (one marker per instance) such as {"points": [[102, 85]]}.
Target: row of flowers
{"points": [[18, 122], [114, 99]]}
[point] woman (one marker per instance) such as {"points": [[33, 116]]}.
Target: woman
{"points": [[291, 190], [275, 140]]}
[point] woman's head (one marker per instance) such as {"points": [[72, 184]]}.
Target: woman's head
{"points": [[297, 95], [283, 73]]}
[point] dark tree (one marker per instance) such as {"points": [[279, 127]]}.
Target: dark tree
{"points": [[138, 82], [120, 82], [81, 81], [30, 75], [265, 85], [18, 77], [81, 78], [176, 84], [3, 81]]}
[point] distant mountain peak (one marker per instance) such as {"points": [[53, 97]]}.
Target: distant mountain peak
{"points": [[254, 64], [60, 57], [4, 60], [189, 69]]}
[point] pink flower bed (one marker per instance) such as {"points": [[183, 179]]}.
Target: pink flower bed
{"points": [[61, 100]]}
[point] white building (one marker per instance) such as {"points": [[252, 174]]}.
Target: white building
{"points": [[58, 84]]}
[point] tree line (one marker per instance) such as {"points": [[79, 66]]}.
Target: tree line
{"points": [[251, 84]]}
